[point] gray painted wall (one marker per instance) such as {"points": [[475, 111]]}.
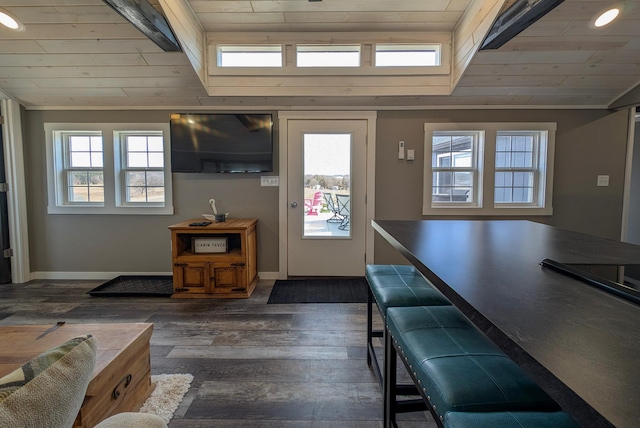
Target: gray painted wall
{"points": [[588, 143], [633, 231], [133, 243]]}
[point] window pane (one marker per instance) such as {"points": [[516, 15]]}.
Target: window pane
{"points": [[79, 194], [96, 144], [327, 56], [155, 178], [79, 143], [250, 56], [96, 178], [81, 160], [78, 178], [137, 160], [407, 55], [136, 178], [156, 160], [156, 144], [462, 179], [155, 194], [503, 160], [96, 160], [137, 143], [96, 194], [327, 185], [503, 144], [136, 194], [441, 156], [502, 195]]}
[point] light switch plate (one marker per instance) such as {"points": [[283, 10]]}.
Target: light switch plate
{"points": [[269, 180], [411, 154], [603, 180]]}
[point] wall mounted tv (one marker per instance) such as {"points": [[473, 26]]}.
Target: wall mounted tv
{"points": [[221, 143]]}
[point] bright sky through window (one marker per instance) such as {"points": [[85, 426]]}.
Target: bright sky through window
{"points": [[327, 154]]}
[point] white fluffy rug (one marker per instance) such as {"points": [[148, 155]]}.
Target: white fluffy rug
{"points": [[168, 394]]}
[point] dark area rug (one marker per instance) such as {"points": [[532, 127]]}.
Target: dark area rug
{"points": [[319, 290], [141, 286]]}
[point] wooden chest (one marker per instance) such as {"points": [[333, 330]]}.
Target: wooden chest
{"points": [[122, 378]]}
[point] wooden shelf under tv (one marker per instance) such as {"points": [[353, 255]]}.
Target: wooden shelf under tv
{"points": [[229, 274]]}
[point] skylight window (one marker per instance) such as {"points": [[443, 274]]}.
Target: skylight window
{"points": [[328, 56], [394, 55], [250, 56]]}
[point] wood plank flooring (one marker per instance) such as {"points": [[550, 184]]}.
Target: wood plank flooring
{"points": [[254, 365]]}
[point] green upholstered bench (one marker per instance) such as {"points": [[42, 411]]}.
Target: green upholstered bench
{"points": [[456, 368], [391, 286], [509, 420]]}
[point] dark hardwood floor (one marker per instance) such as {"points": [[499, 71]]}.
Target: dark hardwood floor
{"points": [[254, 364]]}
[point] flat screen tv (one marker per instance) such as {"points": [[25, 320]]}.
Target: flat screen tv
{"points": [[221, 143]]}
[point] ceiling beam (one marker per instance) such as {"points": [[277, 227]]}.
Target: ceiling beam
{"points": [[148, 20], [630, 99], [515, 19], [190, 32]]}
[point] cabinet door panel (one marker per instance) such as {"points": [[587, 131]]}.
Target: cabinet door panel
{"points": [[192, 277], [226, 278]]}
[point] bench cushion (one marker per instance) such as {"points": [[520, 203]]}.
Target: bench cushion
{"points": [[509, 420], [400, 285], [458, 368]]}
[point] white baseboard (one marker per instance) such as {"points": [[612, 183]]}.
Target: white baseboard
{"points": [[111, 275]]}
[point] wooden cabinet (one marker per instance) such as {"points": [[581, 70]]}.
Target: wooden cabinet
{"points": [[200, 272]]}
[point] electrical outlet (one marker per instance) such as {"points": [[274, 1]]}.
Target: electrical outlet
{"points": [[269, 180]]}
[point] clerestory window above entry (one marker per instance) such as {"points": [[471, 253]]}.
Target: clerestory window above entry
{"points": [[328, 56], [407, 55], [250, 56]]}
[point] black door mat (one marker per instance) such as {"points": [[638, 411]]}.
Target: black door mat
{"points": [[319, 290], [142, 286]]}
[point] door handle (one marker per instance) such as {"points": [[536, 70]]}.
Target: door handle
{"points": [[294, 204]]}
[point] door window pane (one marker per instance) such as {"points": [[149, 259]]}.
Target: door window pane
{"points": [[327, 185]]}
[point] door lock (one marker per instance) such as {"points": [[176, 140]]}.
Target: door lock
{"points": [[294, 204]]}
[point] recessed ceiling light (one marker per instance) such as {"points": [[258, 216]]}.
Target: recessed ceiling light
{"points": [[10, 21], [605, 17]]}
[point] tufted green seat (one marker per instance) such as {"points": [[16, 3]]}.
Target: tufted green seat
{"points": [[391, 286], [455, 366], [509, 420]]}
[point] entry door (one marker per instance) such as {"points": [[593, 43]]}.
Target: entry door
{"points": [[5, 260], [326, 189]]}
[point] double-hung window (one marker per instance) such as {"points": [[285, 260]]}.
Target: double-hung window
{"points": [[82, 162], [142, 172], [488, 169], [517, 171], [108, 169], [454, 162]]}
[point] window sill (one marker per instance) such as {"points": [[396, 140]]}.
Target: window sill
{"points": [[111, 210], [487, 211]]}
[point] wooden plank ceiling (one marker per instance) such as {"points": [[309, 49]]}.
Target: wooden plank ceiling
{"points": [[80, 53]]}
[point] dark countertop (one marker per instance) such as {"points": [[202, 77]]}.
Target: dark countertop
{"points": [[581, 344]]}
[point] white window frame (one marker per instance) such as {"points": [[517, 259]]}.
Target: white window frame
{"points": [[543, 195], [539, 151], [249, 50], [408, 48], [329, 50], [475, 169], [112, 167], [63, 157]]}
